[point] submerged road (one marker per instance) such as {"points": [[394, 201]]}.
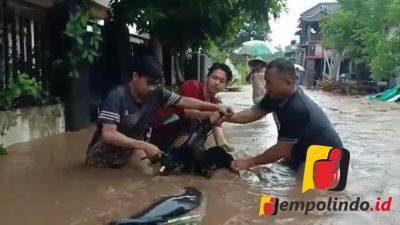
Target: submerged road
{"points": [[45, 181]]}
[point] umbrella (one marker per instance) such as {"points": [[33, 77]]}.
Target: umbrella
{"points": [[254, 48], [297, 66]]}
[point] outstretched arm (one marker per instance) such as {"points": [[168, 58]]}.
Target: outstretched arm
{"points": [[192, 103], [192, 113], [280, 150], [246, 116]]}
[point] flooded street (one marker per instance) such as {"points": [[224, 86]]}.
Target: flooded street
{"points": [[46, 182]]}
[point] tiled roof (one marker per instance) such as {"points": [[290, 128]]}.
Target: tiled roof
{"points": [[319, 11], [104, 3]]}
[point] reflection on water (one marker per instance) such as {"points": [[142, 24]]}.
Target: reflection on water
{"points": [[45, 181]]}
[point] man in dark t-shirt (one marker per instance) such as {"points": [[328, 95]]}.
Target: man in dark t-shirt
{"points": [[301, 122], [126, 113]]}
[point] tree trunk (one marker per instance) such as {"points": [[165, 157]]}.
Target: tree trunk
{"points": [[77, 110], [158, 50], [335, 67], [177, 68]]}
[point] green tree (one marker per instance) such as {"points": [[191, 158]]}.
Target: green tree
{"points": [[189, 24], [367, 31], [85, 44]]}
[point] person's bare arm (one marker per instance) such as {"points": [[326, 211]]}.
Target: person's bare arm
{"points": [[280, 150], [192, 103], [110, 135], [219, 136], [192, 113], [246, 116]]}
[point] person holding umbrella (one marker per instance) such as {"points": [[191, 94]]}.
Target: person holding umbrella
{"points": [[256, 77], [257, 49]]}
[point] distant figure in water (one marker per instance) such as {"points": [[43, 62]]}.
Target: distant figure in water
{"points": [[256, 77], [302, 121], [126, 114]]}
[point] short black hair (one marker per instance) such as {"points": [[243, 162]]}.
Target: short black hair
{"points": [[147, 66], [284, 66], [223, 67]]}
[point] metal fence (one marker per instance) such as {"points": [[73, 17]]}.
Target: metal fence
{"points": [[22, 43]]}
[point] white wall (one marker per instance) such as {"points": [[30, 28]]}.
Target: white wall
{"points": [[21, 125]]}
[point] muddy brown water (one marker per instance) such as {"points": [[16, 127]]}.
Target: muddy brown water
{"points": [[45, 181]]}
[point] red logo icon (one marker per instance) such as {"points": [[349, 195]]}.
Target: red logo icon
{"points": [[326, 168]]}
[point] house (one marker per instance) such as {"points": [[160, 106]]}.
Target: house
{"points": [[311, 53], [32, 42], [30, 36], [23, 35]]}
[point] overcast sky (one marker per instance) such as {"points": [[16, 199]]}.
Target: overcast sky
{"points": [[283, 29]]}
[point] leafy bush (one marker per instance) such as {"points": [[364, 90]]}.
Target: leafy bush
{"points": [[242, 68], [3, 150], [21, 91], [85, 43]]}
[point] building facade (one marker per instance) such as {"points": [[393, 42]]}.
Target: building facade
{"points": [[311, 54]]}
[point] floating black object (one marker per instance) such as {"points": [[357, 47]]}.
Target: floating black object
{"points": [[184, 147], [166, 209]]}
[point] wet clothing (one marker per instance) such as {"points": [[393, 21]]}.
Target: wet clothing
{"points": [[192, 89], [132, 119], [302, 121]]}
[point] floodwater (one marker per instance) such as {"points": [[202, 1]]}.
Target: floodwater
{"points": [[45, 181]]}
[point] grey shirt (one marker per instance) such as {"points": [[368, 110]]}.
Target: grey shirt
{"points": [[131, 117]]}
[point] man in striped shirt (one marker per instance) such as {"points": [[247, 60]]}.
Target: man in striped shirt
{"points": [[126, 113]]}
